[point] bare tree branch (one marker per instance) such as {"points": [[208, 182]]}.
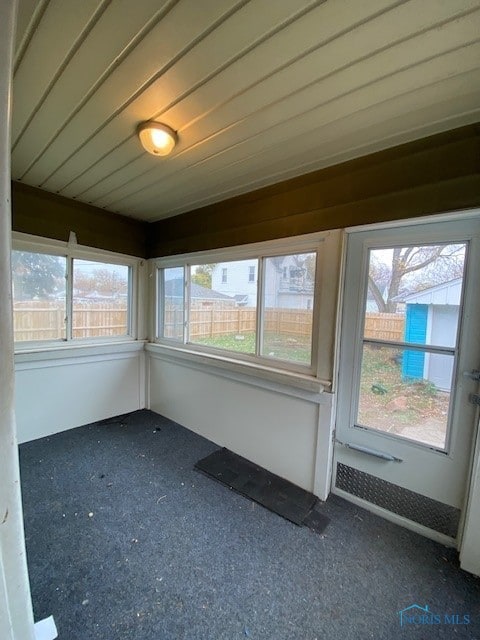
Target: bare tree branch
{"points": [[377, 295], [420, 265]]}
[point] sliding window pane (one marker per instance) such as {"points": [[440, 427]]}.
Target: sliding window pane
{"points": [[288, 303], [39, 299], [100, 300], [223, 305], [172, 294]]}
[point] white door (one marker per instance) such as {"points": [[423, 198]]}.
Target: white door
{"points": [[403, 443]]}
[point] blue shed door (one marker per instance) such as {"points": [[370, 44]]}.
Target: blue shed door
{"points": [[415, 331]]}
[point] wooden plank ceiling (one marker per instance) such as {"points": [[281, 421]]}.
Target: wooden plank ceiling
{"points": [[258, 90]]}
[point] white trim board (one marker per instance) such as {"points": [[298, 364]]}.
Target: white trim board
{"points": [[76, 355], [451, 216], [282, 382], [46, 629]]}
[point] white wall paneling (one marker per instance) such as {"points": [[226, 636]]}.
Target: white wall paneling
{"points": [[66, 388], [277, 427]]}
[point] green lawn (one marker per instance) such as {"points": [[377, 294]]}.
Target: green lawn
{"points": [[283, 347], [243, 343]]}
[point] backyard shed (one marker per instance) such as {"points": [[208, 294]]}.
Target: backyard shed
{"points": [[431, 317]]}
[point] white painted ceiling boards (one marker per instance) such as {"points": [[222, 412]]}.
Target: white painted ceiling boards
{"points": [[258, 90]]}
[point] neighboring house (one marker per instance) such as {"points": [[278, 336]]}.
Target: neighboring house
{"points": [[199, 296], [238, 280], [287, 282], [432, 318]]}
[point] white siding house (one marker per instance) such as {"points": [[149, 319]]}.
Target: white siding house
{"points": [[237, 279], [287, 285]]}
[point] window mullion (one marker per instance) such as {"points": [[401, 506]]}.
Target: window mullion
{"points": [[186, 304], [317, 291], [260, 306], [412, 346], [132, 323], [69, 298], [160, 305]]}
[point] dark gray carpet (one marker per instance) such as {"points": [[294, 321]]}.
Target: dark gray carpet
{"points": [[125, 540]]}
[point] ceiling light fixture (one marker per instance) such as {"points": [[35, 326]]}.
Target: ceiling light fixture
{"points": [[157, 138]]}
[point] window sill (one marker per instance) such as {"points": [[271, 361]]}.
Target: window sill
{"points": [[66, 350], [296, 384]]}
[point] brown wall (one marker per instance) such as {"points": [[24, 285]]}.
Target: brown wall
{"points": [[44, 214], [433, 175]]}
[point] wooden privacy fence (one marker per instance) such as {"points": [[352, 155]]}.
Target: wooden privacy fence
{"points": [[37, 320], [384, 326], [206, 323], [89, 321], [211, 322], [293, 322]]}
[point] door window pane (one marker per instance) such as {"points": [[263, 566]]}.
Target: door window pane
{"points": [[288, 303], [39, 300], [223, 309], [100, 299], [172, 288], [406, 392], [414, 294]]}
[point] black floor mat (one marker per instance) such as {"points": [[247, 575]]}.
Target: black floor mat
{"points": [[271, 491], [316, 521]]}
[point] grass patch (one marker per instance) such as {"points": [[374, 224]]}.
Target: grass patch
{"points": [[244, 343], [390, 403], [282, 347]]}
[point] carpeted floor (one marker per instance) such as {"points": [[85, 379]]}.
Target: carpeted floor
{"points": [[126, 541]]}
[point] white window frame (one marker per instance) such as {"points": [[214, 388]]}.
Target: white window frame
{"points": [[71, 251], [159, 315], [302, 244]]}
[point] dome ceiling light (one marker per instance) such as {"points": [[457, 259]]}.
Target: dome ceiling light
{"points": [[157, 138]]}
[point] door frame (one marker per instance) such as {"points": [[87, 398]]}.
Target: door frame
{"points": [[470, 516]]}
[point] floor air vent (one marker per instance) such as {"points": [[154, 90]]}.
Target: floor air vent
{"points": [[427, 512]]}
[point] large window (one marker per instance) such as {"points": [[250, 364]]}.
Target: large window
{"points": [[262, 310], [39, 296], [288, 315], [59, 297], [223, 314], [99, 299]]}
